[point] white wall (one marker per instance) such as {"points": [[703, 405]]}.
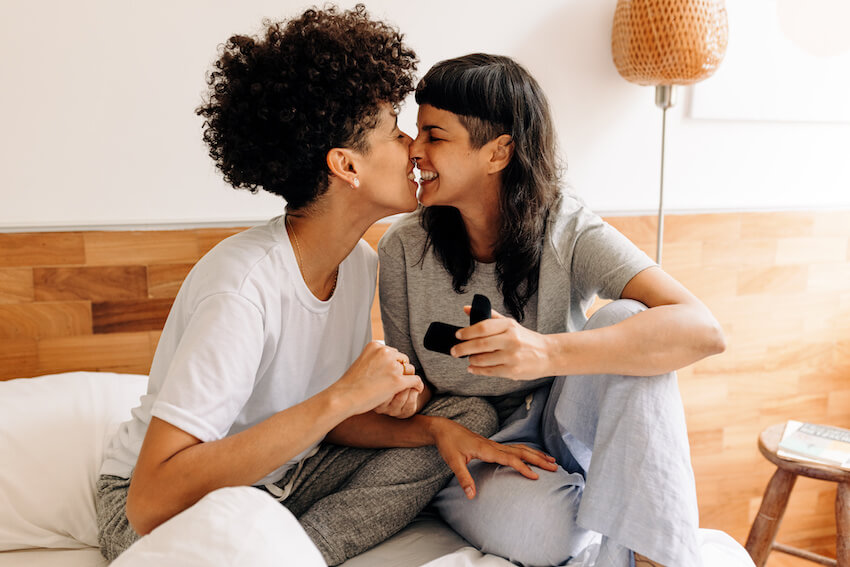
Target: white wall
{"points": [[97, 124]]}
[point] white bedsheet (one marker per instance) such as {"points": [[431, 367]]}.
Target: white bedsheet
{"points": [[427, 542], [56, 427]]}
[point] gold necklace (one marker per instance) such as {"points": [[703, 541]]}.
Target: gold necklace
{"points": [[298, 255]]}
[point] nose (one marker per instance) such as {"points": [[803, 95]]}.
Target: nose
{"points": [[415, 149]]}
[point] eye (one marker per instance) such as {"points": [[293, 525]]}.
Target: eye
{"points": [[433, 139]]}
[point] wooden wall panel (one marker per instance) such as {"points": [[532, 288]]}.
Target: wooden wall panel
{"points": [[95, 283], [141, 248], [209, 237], [153, 340], [41, 249], [16, 285], [18, 357], [695, 228], [779, 279], [788, 224], [130, 315], [44, 320], [116, 352], [779, 283], [164, 280]]}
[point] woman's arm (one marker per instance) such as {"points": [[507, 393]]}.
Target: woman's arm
{"points": [[676, 330], [456, 444], [175, 469]]}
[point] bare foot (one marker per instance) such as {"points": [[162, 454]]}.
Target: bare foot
{"points": [[641, 561]]}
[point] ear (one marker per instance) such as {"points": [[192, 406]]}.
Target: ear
{"points": [[501, 151], [342, 165]]}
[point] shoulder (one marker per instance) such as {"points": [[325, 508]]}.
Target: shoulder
{"points": [[573, 229], [403, 236], [569, 218], [236, 260]]}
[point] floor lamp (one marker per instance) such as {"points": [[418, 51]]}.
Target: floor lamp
{"points": [[664, 43]]}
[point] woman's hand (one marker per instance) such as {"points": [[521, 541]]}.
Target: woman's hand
{"points": [[377, 377], [502, 347], [406, 403], [458, 446]]}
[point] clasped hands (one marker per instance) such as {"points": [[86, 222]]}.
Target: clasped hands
{"points": [[407, 402]]}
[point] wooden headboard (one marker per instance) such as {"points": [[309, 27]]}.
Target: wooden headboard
{"points": [[94, 300], [779, 283]]}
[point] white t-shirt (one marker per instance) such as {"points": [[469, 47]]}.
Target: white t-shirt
{"points": [[246, 339]]}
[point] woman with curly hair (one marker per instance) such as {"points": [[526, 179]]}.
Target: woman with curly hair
{"points": [[265, 374], [600, 394]]}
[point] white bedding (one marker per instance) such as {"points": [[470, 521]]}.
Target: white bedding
{"points": [[426, 542], [52, 433]]}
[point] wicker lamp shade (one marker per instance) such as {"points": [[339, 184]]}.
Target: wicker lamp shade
{"points": [[668, 42]]}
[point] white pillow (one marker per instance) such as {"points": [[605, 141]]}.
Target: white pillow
{"points": [[229, 526], [53, 430]]}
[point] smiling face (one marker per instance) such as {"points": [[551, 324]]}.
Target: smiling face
{"points": [[453, 172], [384, 169]]}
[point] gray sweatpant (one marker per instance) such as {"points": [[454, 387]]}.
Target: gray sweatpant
{"points": [[347, 499]]}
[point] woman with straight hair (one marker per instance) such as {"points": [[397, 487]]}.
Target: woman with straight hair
{"points": [[599, 394]]}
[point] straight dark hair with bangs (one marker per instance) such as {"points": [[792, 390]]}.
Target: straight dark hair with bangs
{"points": [[494, 95]]}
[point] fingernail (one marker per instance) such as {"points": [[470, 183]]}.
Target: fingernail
{"points": [[452, 352], [469, 492]]}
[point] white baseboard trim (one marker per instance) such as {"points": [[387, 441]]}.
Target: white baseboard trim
{"points": [[194, 224]]}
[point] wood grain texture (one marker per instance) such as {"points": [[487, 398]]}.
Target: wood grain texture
{"points": [[95, 283], [130, 315], [44, 320], [779, 283], [41, 249], [141, 247], [209, 237], [164, 280], [18, 358], [16, 285], [116, 352]]}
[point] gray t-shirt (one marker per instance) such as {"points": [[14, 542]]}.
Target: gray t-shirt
{"points": [[583, 257]]}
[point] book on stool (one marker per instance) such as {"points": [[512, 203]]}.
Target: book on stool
{"points": [[812, 443]]}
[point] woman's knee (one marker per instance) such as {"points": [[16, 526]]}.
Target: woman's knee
{"points": [[531, 522], [115, 534], [614, 312]]}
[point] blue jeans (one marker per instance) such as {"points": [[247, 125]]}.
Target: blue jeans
{"points": [[625, 473]]}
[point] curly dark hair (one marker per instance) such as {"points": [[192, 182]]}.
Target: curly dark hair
{"points": [[278, 103]]}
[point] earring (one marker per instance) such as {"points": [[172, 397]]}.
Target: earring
{"points": [[356, 182]]}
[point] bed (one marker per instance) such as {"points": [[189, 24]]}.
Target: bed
{"points": [[52, 433], [72, 302]]}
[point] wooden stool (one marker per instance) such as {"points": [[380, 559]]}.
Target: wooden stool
{"points": [[763, 532]]}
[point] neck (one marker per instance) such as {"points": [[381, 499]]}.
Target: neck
{"points": [[326, 235], [482, 220]]}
